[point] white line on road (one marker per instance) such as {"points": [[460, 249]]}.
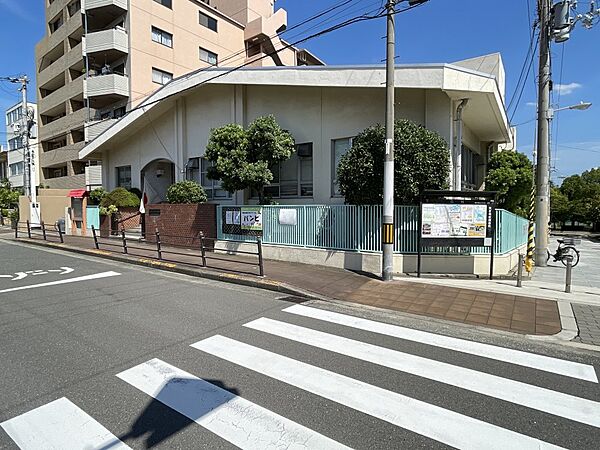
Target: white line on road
{"points": [[531, 360], [60, 425], [229, 416], [546, 400], [94, 276], [437, 423]]}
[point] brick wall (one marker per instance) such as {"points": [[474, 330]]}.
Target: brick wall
{"points": [[131, 218], [181, 224]]}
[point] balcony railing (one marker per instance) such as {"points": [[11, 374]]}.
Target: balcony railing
{"points": [[102, 41], [87, 5], [110, 84], [94, 128]]}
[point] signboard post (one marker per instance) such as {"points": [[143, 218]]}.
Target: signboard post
{"points": [[457, 218]]}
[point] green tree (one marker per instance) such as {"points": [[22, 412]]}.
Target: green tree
{"points": [[9, 196], [511, 175], [186, 192], [560, 209], [421, 161], [243, 159]]}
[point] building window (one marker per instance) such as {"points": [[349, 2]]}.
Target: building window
{"points": [[162, 37], [208, 56], [124, 177], [208, 22], [339, 147], [166, 3], [74, 7], [15, 143], [56, 24], [16, 169], [293, 178], [160, 76], [14, 115], [197, 169], [470, 165]]}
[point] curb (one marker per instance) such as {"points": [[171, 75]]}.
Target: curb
{"points": [[567, 322], [255, 282]]}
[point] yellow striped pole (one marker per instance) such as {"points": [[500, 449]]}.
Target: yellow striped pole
{"points": [[530, 234]]}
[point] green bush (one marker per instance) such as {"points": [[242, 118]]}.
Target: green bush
{"points": [[97, 195], [121, 198], [136, 191], [186, 192]]}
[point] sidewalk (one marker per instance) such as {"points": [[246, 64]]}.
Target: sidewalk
{"points": [[503, 311]]}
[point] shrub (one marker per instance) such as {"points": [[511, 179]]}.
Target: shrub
{"points": [[108, 210], [136, 191], [186, 192], [97, 195], [121, 198]]}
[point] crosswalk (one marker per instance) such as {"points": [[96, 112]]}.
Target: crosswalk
{"points": [[247, 424]]}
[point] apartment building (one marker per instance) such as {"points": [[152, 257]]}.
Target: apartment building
{"points": [[16, 122], [100, 58]]}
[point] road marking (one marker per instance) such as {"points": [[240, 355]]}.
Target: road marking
{"points": [[60, 425], [531, 360], [229, 416], [94, 276], [542, 399], [437, 423]]}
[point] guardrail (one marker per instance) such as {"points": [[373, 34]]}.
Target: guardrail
{"points": [[198, 253], [34, 232]]}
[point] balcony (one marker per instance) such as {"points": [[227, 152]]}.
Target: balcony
{"points": [[106, 41], [87, 5], [113, 85], [95, 128], [60, 156]]}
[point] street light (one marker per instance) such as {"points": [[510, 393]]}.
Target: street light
{"points": [[581, 106]]}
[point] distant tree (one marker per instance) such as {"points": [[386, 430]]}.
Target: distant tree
{"points": [[421, 161], [243, 159], [511, 175], [9, 196], [560, 209]]}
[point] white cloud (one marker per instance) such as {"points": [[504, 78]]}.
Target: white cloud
{"points": [[566, 89], [531, 104], [13, 7]]}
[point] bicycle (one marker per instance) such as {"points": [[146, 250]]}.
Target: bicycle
{"points": [[566, 247]]}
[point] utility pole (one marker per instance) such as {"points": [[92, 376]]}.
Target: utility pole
{"points": [[542, 195], [387, 231], [29, 169]]}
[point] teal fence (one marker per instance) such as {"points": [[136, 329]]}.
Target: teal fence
{"points": [[358, 228]]}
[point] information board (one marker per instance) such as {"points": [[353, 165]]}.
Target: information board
{"points": [[251, 218], [439, 220]]}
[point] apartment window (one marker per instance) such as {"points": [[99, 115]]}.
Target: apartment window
{"points": [[470, 165], [15, 143], [14, 115], [339, 147], [198, 171], [124, 177], [56, 24], [160, 76], [166, 3], [208, 56], [16, 169], [162, 37], [74, 7], [208, 22]]}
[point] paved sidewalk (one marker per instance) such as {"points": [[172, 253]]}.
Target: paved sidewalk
{"points": [[515, 313], [588, 321]]}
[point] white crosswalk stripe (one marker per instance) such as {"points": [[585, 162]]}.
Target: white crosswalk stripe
{"points": [[546, 400], [60, 425], [229, 416], [531, 360], [437, 423]]}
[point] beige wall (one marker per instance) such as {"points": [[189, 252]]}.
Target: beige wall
{"points": [[52, 205]]}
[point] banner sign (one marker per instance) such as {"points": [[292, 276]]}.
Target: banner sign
{"points": [[251, 218]]}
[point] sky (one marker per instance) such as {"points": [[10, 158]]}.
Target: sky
{"points": [[440, 31]]}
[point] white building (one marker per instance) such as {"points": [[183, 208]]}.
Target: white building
{"points": [[323, 108], [16, 123]]}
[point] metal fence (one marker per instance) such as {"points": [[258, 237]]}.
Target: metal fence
{"points": [[358, 228]]}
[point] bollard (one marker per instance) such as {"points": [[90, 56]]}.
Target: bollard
{"points": [[124, 241], [44, 231], [28, 230], [158, 245], [261, 268], [568, 274], [520, 271], [202, 249], [60, 235], [93, 233]]}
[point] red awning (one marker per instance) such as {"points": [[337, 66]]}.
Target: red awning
{"points": [[77, 193]]}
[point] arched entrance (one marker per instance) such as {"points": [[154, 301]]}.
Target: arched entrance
{"points": [[156, 177]]}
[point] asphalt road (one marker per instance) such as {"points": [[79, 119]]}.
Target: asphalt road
{"points": [[148, 359]]}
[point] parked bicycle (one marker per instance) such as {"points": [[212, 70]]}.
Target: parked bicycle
{"points": [[566, 248]]}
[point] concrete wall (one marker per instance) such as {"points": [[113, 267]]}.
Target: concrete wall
{"points": [[52, 205]]}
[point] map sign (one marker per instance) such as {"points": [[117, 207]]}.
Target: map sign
{"points": [[454, 221]]}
